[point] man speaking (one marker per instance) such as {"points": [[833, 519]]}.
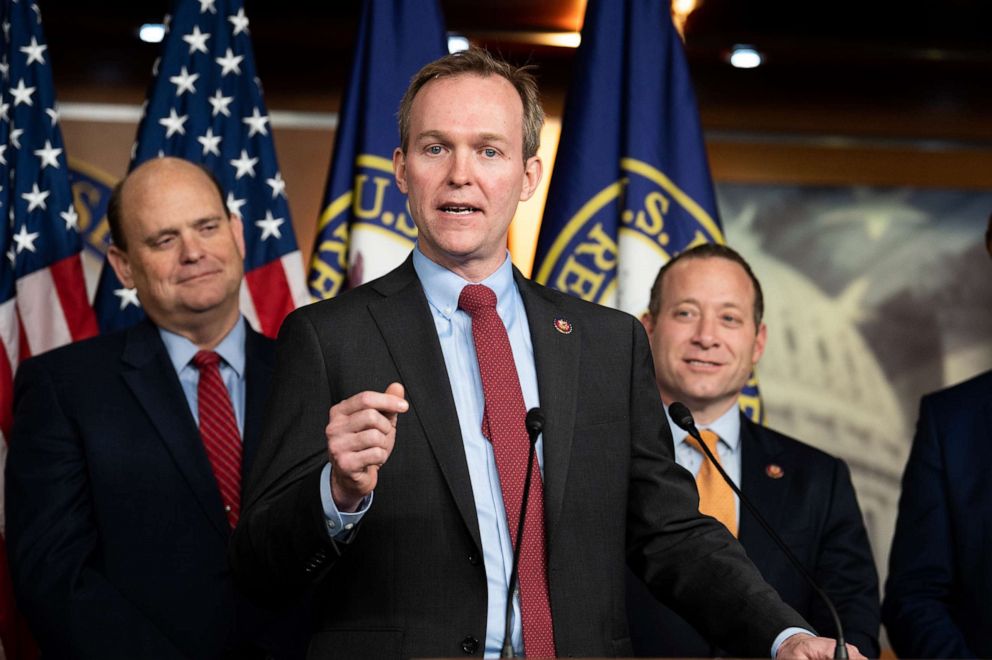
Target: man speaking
{"points": [[399, 508]]}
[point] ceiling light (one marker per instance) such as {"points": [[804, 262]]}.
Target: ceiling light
{"points": [[457, 43], [151, 33], [745, 57]]}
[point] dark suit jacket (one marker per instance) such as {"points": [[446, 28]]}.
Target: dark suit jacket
{"points": [[938, 597], [115, 528], [812, 506], [412, 582]]}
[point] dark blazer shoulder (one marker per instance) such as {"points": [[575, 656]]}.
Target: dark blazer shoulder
{"points": [[966, 395], [777, 442]]}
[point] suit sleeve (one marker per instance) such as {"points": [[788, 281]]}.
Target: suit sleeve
{"points": [[52, 536], [281, 545], [690, 562], [922, 576], [845, 569]]}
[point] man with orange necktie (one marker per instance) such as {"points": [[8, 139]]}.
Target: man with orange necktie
{"points": [[391, 464], [704, 324], [128, 450]]}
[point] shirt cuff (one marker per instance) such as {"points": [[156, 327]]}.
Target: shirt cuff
{"points": [[339, 523], [786, 634]]}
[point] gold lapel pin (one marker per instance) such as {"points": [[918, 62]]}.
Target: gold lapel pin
{"points": [[563, 326]]}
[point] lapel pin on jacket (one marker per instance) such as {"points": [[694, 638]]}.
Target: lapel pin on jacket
{"points": [[563, 326], [774, 471]]}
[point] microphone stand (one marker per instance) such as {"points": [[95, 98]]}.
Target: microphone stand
{"points": [[535, 424], [681, 415]]}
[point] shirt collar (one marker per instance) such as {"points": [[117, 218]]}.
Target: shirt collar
{"points": [[443, 287], [727, 426], [231, 349]]}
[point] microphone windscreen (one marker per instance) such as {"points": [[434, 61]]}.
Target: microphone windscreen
{"points": [[681, 415], [534, 421]]}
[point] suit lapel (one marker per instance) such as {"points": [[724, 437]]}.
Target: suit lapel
{"points": [[404, 319], [758, 452], [556, 359], [150, 376], [259, 360]]}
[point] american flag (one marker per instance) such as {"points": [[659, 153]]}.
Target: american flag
{"points": [[42, 291], [205, 105]]}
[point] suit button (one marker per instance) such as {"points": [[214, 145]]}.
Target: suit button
{"points": [[470, 645], [473, 559]]}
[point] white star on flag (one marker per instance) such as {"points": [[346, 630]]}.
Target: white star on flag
{"points": [[256, 123], [34, 51], [239, 21], [229, 63], [49, 156], [278, 185], [244, 164], [25, 239], [22, 93], [219, 102], [3, 159], [71, 218], [210, 142], [234, 205], [3, 111], [128, 297], [269, 225], [54, 114], [184, 82], [207, 5], [197, 40], [36, 198], [174, 123]]}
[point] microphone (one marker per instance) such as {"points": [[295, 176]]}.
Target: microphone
{"points": [[535, 424], [682, 417]]}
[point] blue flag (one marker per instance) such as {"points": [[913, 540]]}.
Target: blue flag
{"points": [[365, 229], [631, 185], [205, 105]]}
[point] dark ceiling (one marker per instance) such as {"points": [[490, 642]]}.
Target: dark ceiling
{"points": [[904, 69]]}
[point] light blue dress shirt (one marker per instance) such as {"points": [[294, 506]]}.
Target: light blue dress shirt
{"points": [[728, 428], [454, 329], [232, 368]]}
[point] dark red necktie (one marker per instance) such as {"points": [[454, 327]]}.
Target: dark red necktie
{"points": [[219, 430], [503, 423]]}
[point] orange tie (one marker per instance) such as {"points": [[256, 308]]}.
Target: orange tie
{"points": [[715, 497]]}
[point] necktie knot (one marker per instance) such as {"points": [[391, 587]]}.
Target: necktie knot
{"points": [[710, 438], [476, 297], [205, 359]]}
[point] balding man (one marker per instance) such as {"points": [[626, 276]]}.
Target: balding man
{"points": [[124, 474]]}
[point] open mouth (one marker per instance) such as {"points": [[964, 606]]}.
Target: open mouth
{"points": [[702, 363], [458, 210]]}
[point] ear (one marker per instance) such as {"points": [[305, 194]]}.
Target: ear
{"points": [[238, 229], [759, 344], [648, 322], [533, 169], [121, 265], [399, 169]]}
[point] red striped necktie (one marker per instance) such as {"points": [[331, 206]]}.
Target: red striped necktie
{"points": [[503, 423], [219, 431]]}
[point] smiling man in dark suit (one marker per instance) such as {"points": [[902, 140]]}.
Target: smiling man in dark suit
{"points": [[706, 333], [398, 509], [118, 511]]}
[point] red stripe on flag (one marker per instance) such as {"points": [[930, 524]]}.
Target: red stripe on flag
{"points": [[71, 288], [271, 295], [6, 392]]}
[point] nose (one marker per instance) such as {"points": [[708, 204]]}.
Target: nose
{"points": [[192, 248], [705, 335], [460, 173]]}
